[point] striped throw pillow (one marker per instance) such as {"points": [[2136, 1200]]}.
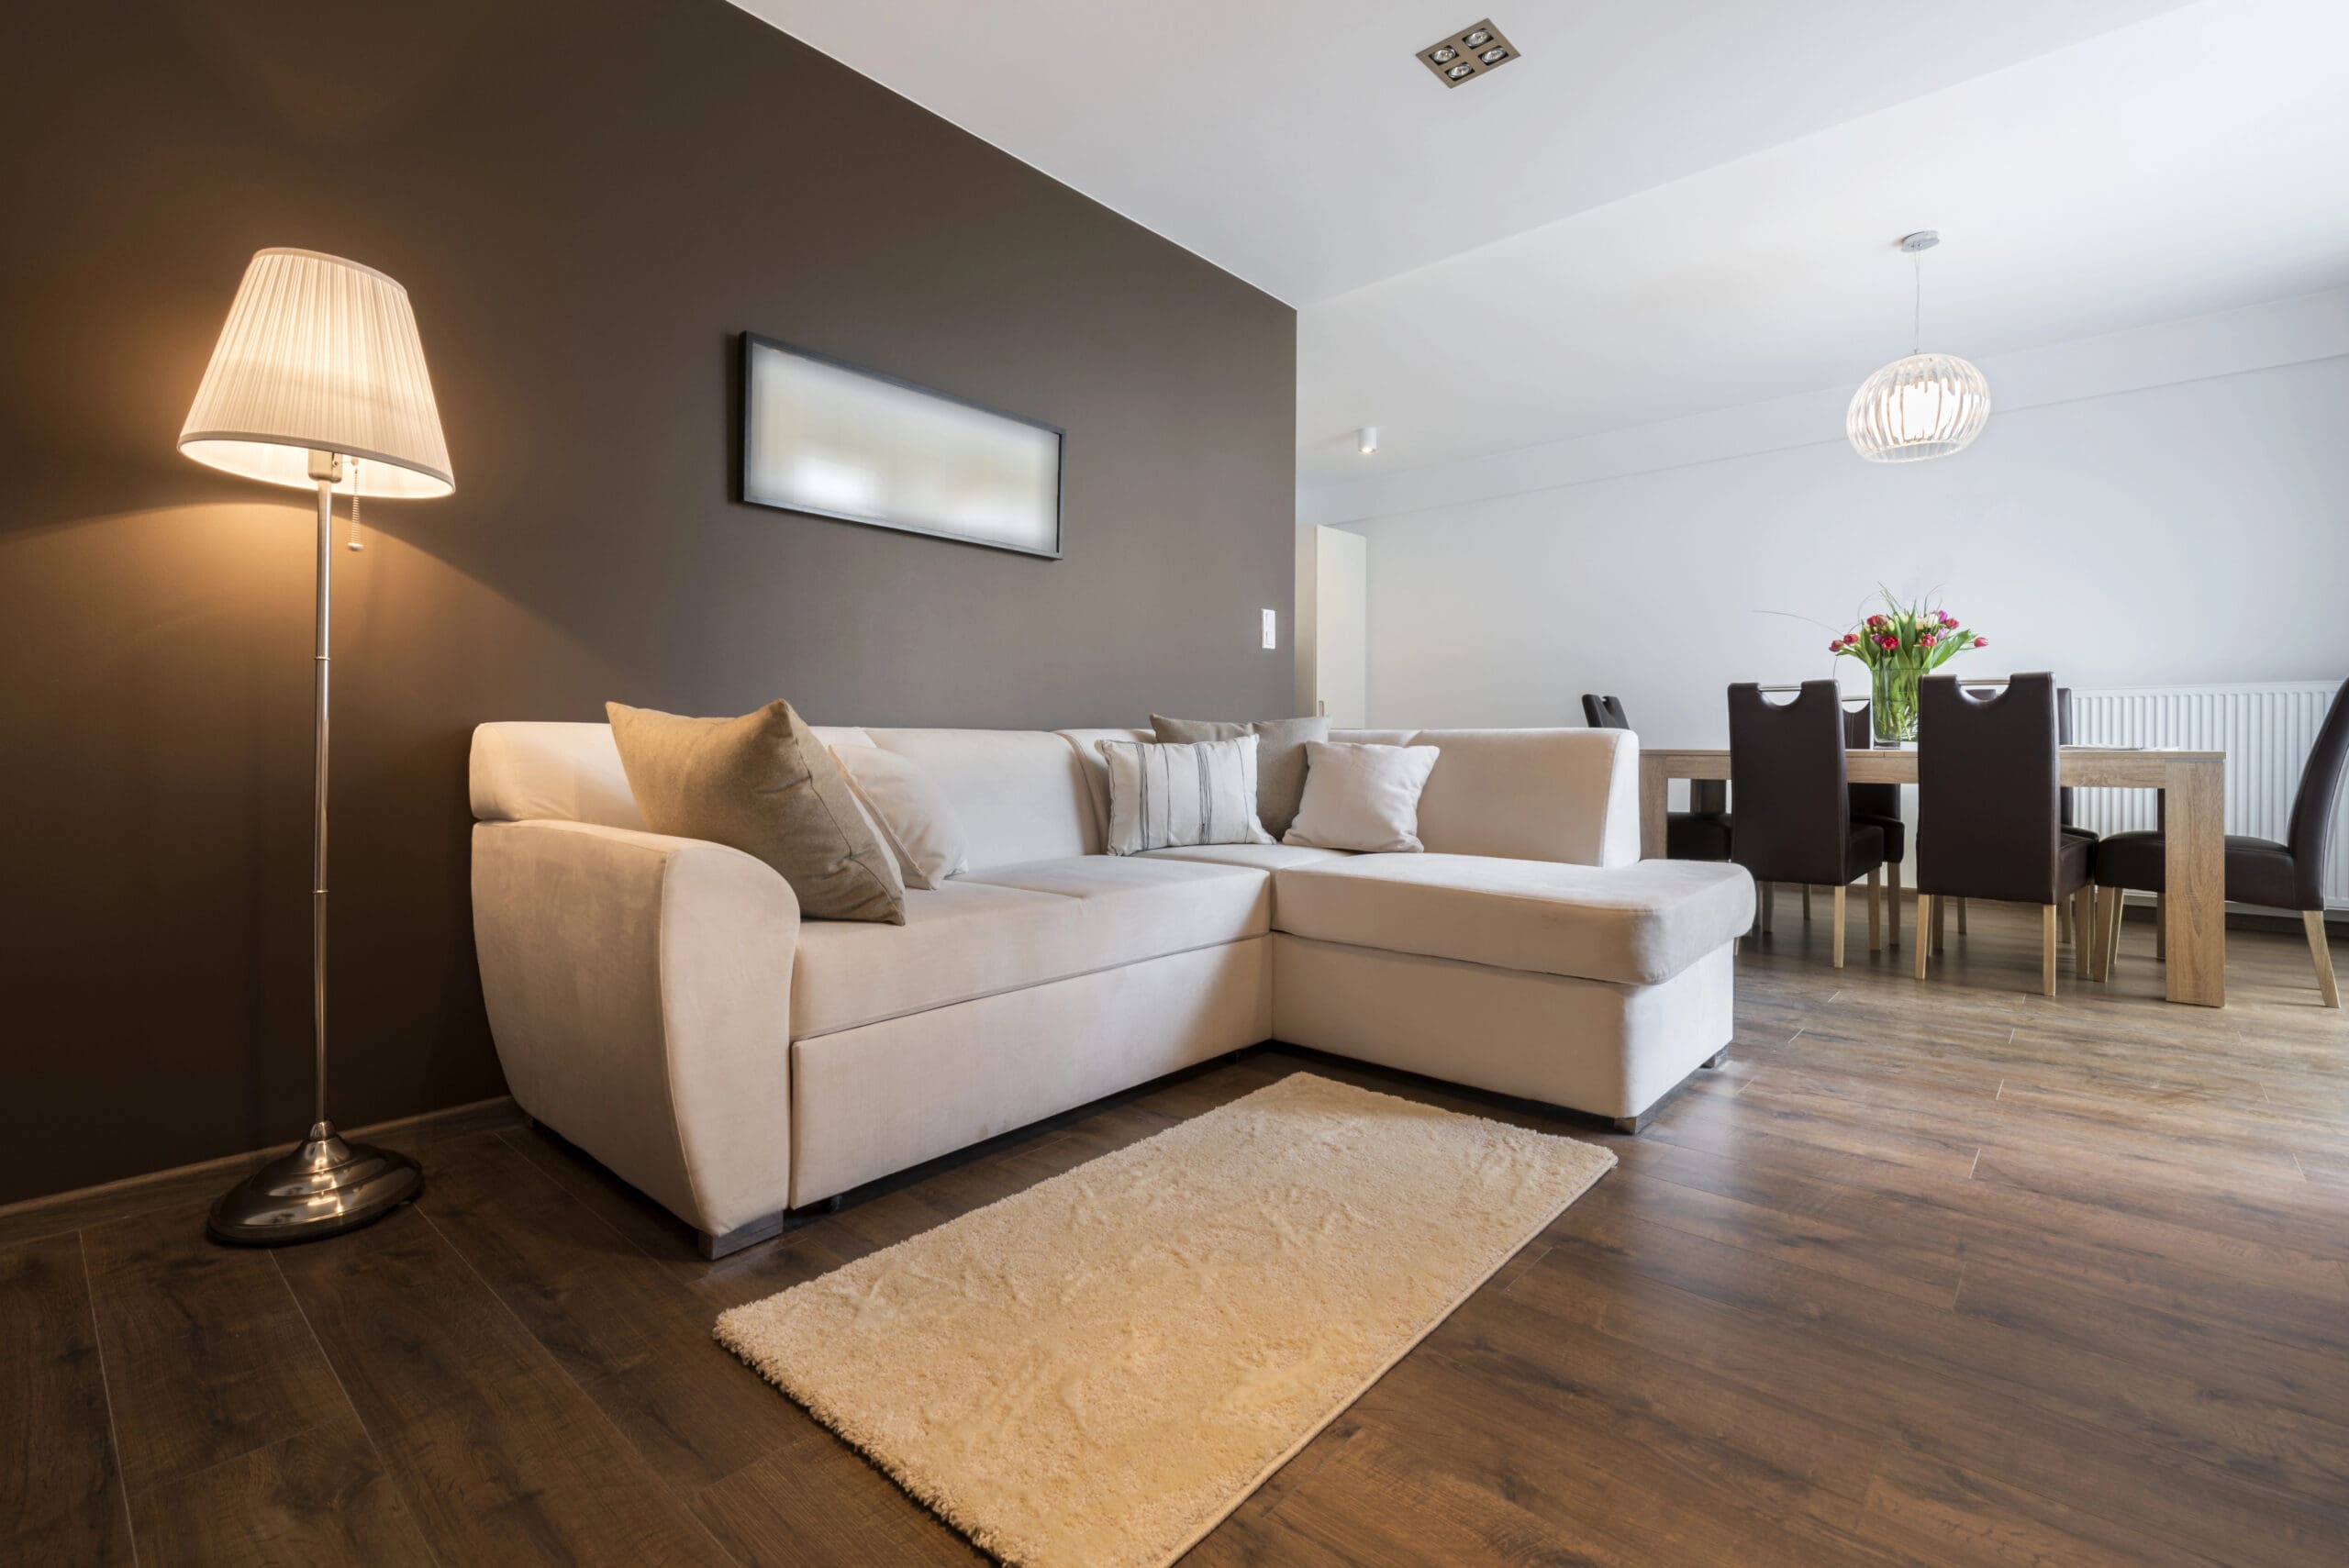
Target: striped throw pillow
{"points": [[1163, 796]]}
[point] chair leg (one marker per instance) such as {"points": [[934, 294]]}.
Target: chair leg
{"points": [[2161, 927], [2047, 949], [1892, 902], [1806, 902], [1928, 907], [1961, 916], [1876, 910], [2314, 920], [2118, 898], [1840, 891], [2079, 922]]}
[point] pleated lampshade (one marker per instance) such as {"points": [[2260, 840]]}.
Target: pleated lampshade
{"points": [[1926, 405], [320, 354]]}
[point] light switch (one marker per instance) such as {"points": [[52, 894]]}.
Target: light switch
{"points": [[1272, 633]]}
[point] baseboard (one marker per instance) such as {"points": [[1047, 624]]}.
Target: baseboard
{"points": [[28, 1218]]}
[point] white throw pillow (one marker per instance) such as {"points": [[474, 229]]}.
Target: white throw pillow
{"points": [[1364, 797], [915, 818], [1200, 793]]}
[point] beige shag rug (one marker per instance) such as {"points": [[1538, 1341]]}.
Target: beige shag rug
{"points": [[1097, 1370]]}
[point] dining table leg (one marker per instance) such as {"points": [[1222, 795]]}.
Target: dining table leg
{"points": [[1654, 794], [2194, 880]]}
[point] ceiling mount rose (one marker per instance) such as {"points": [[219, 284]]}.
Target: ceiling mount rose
{"points": [[1471, 51]]}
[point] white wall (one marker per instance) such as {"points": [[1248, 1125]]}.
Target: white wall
{"points": [[2191, 526]]}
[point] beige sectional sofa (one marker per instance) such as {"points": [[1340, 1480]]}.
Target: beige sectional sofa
{"points": [[658, 1001]]}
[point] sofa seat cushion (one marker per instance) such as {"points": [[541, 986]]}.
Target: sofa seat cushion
{"points": [[1263, 857], [1011, 926], [1633, 925]]}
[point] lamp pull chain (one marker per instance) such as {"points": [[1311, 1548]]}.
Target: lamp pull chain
{"points": [[355, 506], [1916, 342]]}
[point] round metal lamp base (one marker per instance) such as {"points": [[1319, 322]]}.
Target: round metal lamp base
{"points": [[323, 1189]]}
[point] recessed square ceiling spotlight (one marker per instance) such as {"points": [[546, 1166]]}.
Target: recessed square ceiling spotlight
{"points": [[1471, 51]]}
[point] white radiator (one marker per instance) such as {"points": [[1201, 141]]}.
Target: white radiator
{"points": [[2266, 731]]}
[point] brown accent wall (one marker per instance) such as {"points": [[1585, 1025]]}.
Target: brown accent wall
{"points": [[586, 200]]}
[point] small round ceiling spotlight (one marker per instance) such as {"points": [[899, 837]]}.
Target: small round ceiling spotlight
{"points": [[1443, 54], [1494, 56], [1460, 71], [1477, 40]]}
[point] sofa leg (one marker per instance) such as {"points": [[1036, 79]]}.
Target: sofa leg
{"points": [[714, 1247], [1631, 1126], [1718, 1059]]}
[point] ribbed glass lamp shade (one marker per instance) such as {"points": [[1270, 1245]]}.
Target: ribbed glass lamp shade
{"points": [[320, 354], [1926, 405]]}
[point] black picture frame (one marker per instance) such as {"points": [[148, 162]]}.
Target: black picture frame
{"points": [[752, 342]]}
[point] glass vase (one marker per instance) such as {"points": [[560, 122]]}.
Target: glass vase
{"points": [[1892, 702]]}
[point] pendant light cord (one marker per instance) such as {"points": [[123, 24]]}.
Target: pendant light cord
{"points": [[1917, 317]]}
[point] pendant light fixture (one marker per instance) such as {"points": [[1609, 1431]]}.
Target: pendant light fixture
{"points": [[1926, 405]]}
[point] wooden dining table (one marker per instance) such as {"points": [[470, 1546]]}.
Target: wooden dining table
{"points": [[2194, 867]]}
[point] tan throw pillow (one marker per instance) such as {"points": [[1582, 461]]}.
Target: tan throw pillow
{"points": [[765, 785], [1362, 798], [1280, 758], [913, 815]]}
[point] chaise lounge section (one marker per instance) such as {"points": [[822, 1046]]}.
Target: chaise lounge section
{"points": [[659, 1002]]}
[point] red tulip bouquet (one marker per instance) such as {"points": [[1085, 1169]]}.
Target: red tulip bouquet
{"points": [[1899, 645]]}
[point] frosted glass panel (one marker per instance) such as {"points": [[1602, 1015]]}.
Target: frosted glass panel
{"points": [[824, 438]]}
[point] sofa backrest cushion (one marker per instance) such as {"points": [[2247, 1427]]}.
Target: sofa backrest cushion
{"points": [[1023, 795], [532, 770], [1568, 795]]}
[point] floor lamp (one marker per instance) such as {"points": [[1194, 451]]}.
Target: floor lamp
{"points": [[319, 381]]}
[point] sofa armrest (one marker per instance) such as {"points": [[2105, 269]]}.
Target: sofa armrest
{"points": [[1566, 796], [639, 989]]}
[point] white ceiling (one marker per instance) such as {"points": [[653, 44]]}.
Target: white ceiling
{"points": [[1662, 208]]}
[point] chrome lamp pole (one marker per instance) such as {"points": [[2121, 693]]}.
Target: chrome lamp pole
{"points": [[319, 381]]}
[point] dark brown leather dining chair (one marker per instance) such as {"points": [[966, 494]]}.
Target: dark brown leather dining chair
{"points": [[1794, 804], [2289, 875], [2063, 811], [1989, 807], [1702, 834]]}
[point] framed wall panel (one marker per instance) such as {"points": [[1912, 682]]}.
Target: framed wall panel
{"points": [[835, 440]]}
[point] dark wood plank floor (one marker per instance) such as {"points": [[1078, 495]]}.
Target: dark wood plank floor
{"points": [[1947, 1273]]}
